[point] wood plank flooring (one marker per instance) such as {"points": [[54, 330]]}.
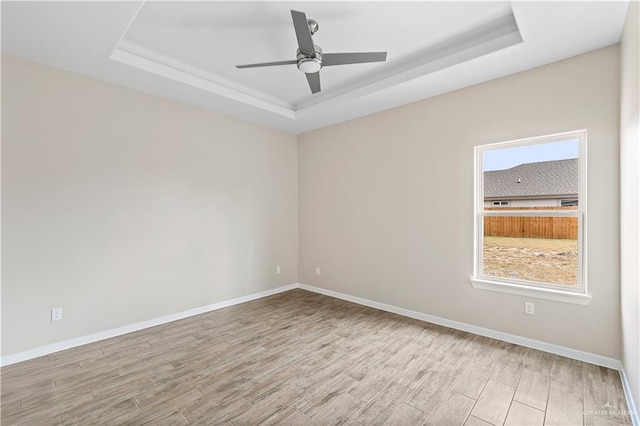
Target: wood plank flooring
{"points": [[303, 358]]}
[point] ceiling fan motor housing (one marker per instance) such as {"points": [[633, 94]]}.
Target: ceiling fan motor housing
{"points": [[310, 64]]}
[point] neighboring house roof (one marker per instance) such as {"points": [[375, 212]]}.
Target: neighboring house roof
{"points": [[544, 179]]}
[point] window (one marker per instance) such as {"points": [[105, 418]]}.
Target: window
{"points": [[531, 245]]}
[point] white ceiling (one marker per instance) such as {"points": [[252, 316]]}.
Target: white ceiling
{"points": [[187, 51]]}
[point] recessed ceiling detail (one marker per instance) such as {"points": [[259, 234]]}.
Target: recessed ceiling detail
{"points": [[188, 51], [480, 40], [146, 60]]}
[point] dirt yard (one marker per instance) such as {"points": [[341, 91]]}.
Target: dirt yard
{"points": [[532, 259]]}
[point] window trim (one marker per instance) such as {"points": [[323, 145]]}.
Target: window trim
{"points": [[548, 291]]}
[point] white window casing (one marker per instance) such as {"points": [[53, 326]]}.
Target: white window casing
{"points": [[577, 294]]}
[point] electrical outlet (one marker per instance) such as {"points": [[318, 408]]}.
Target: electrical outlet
{"points": [[278, 270], [528, 308], [56, 314], [317, 270]]}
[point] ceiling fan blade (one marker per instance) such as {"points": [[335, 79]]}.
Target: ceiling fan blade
{"points": [[305, 42], [267, 64], [329, 59], [314, 81]]}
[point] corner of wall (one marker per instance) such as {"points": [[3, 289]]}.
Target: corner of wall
{"points": [[630, 203]]}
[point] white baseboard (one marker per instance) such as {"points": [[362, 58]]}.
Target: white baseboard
{"points": [[107, 334], [494, 334], [487, 332], [627, 394], [511, 338]]}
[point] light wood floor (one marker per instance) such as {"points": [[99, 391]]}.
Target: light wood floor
{"points": [[302, 358]]}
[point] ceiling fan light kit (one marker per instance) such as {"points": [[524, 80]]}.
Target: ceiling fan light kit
{"points": [[309, 65], [309, 56]]}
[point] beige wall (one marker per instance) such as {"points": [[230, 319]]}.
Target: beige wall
{"points": [[630, 198], [386, 201], [121, 207]]}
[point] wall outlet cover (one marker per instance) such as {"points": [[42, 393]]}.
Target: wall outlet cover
{"points": [[56, 314], [528, 308]]}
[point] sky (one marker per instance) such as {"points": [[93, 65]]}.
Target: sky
{"points": [[506, 158]]}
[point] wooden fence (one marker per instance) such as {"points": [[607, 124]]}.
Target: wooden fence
{"points": [[531, 226]]}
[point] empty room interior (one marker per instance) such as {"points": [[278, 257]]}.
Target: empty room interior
{"points": [[357, 213]]}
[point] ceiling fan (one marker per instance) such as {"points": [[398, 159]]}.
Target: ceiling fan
{"points": [[309, 56]]}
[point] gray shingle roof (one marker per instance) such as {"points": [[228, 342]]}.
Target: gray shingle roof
{"points": [[547, 178]]}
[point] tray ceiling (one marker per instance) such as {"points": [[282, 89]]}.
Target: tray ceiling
{"points": [[187, 51]]}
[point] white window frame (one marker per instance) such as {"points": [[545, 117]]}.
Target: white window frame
{"points": [[578, 294]]}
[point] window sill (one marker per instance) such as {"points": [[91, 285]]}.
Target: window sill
{"points": [[540, 293]]}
